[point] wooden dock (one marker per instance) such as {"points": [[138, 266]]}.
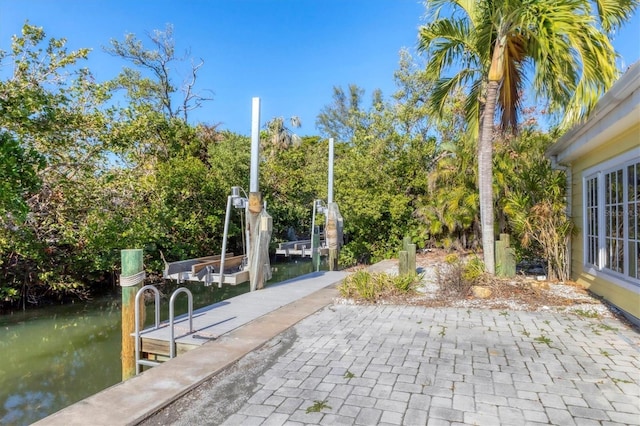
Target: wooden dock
{"points": [[213, 321], [300, 248]]}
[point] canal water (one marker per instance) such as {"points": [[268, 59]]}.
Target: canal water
{"points": [[53, 357]]}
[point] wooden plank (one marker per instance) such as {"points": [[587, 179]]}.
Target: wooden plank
{"points": [[229, 262], [183, 348], [155, 346], [236, 278], [185, 265], [158, 350]]}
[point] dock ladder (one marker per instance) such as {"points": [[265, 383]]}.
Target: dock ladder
{"points": [[172, 346]]}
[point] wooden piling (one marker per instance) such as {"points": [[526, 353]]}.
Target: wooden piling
{"points": [[132, 264], [406, 241], [260, 226], [407, 257], [411, 261], [403, 262], [333, 233], [505, 257]]}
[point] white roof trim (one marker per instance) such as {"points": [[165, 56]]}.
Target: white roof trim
{"points": [[616, 112]]}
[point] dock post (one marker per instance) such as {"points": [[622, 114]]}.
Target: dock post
{"points": [[405, 243], [333, 232], [411, 262], [403, 262], [505, 257], [315, 251], [130, 280], [259, 222]]}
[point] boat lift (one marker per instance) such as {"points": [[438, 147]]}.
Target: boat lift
{"points": [[257, 226], [328, 242], [224, 268], [311, 247]]}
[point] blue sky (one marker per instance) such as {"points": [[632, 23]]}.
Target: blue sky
{"points": [[290, 53]]}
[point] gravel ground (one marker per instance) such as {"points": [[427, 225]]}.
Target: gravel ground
{"points": [[521, 293]]}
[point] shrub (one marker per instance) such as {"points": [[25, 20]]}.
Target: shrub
{"points": [[372, 287], [457, 276]]}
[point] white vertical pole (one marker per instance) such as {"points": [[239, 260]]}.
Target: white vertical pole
{"points": [[224, 240], [255, 145], [313, 226], [330, 189]]}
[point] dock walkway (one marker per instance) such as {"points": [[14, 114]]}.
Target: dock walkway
{"points": [[213, 321], [243, 324]]}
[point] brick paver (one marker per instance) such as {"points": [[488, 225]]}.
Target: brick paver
{"points": [[416, 366]]}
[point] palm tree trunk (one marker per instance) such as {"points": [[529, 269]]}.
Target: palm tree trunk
{"points": [[485, 177]]}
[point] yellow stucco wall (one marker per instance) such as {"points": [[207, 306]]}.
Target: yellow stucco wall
{"points": [[625, 299]]}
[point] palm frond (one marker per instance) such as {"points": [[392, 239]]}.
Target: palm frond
{"points": [[447, 43], [614, 13], [510, 96]]}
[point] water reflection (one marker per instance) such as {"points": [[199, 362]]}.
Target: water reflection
{"points": [[56, 356], [52, 359]]}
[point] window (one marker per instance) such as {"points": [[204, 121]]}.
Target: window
{"points": [[611, 224]]}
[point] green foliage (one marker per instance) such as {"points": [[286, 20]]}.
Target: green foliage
{"points": [[291, 179], [317, 407], [473, 269], [485, 49], [82, 204], [344, 116], [587, 313], [543, 339], [378, 175], [450, 206], [532, 196], [372, 287], [82, 176], [52, 147], [18, 178]]}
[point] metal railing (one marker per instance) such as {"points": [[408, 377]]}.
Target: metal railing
{"points": [[172, 341]]}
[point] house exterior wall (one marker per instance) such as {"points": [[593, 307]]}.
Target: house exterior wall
{"points": [[623, 294]]}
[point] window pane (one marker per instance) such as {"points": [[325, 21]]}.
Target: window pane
{"points": [[633, 220], [632, 182], [619, 187], [637, 271], [633, 260], [591, 225]]}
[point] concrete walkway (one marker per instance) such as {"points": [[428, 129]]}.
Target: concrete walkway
{"points": [[246, 327], [403, 365], [315, 362]]}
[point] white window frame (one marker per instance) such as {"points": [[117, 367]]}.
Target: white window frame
{"points": [[599, 173], [586, 226]]}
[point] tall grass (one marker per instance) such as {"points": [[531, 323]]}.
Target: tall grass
{"points": [[372, 287]]}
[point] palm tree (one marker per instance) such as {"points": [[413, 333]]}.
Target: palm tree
{"points": [[494, 47], [449, 207], [279, 136]]}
